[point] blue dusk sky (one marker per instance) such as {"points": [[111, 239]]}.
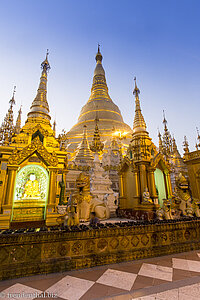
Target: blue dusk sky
{"points": [[156, 41]]}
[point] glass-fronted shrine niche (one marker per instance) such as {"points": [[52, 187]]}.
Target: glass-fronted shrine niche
{"points": [[30, 194], [160, 185]]}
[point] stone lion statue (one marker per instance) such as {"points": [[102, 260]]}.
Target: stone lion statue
{"points": [[182, 194], [82, 197], [85, 202]]}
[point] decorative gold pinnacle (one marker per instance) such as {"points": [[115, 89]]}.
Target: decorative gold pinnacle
{"points": [[84, 153], [54, 126], [139, 122], [40, 107], [167, 139], [18, 121], [198, 138], [160, 142], [99, 56], [186, 145], [96, 145], [7, 128]]}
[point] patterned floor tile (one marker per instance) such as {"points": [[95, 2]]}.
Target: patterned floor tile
{"points": [[185, 297], [5, 286], [71, 288], [18, 291], [185, 264], [46, 298], [43, 284], [142, 282], [127, 267], [99, 291], [89, 274], [119, 279], [165, 262], [191, 290], [150, 297], [192, 256], [181, 274], [156, 271], [168, 295], [122, 281]]}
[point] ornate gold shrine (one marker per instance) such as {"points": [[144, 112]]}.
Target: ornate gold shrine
{"points": [[30, 165], [144, 173]]}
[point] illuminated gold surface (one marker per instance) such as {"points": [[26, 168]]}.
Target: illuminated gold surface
{"points": [[99, 105], [137, 168], [84, 154], [34, 143], [192, 160]]}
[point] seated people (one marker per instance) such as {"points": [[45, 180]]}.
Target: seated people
{"points": [[94, 220]]}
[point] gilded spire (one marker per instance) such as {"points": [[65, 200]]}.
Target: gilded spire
{"points": [[167, 139], [175, 148], [12, 100], [160, 141], [7, 127], [99, 79], [186, 145], [18, 121], [198, 137], [54, 127], [84, 154], [99, 102], [99, 56], [164, 120], [40, 107], [139, 122], [96, 145]]}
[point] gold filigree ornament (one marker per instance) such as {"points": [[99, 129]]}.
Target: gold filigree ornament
{"points": [[17, 157]]}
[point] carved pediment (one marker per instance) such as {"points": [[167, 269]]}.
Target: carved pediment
{"points": [[125, 164], [39, 128], [39, 134], [160, 158], [18, 157]]}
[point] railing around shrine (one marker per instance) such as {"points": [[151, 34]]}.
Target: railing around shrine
{"points": [[192, 155], [26, 252]]}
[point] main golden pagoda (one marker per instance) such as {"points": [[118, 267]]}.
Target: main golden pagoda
{"points": [[30, 161], [99, 105]]}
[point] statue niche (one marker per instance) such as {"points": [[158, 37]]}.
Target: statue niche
{"points": [[31, 192]]}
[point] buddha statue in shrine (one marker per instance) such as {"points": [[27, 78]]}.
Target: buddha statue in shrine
{"points": [[31, 188]]}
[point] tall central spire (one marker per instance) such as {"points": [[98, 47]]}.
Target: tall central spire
{"points": [[40, 107], [99, 103], [99, 85], [139, 122]]}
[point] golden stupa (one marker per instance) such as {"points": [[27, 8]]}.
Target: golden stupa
{"points": [[100, 106]]}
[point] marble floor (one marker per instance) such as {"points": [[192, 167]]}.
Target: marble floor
{"points": [[168, 277]]}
